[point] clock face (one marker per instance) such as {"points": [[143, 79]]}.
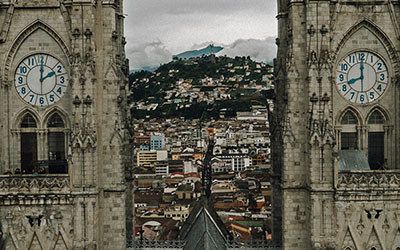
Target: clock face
{"points": [[362, 77], [41, 80]]}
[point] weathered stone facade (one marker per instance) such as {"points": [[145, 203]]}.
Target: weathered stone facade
{"points": [[85, 208], [316, 206]]}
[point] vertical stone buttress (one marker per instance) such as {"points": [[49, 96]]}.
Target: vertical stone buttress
{"points": [[303, 136], [100, 144]]}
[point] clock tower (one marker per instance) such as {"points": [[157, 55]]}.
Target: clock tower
{"points": [[64, 148], [336, 125]]}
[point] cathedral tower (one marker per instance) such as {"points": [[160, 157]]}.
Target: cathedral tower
{"points": [[336, 131], [64, 153]]}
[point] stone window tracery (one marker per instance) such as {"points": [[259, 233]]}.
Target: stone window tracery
{"points": [[42, 146], [349, 135], [56, 144]]}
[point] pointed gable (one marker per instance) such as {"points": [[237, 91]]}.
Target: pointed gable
{"points": [[204, 229]]}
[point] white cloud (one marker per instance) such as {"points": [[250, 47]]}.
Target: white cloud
{"points": [[258, 49], [150, 54]]}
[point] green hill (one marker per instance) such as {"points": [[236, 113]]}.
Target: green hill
{"points": [[208, 86]]}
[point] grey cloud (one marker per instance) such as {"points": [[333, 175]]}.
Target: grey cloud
{"points": [[178, 7]]}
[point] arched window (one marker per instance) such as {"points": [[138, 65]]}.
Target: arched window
{"points": [[56, 144], [376, 140], [349, 118], [28, 144], [376, 118], [28, 121], [349, 137]]}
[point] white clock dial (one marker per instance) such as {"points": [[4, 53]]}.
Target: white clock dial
{"points": [[362, 77], [41, 80]]}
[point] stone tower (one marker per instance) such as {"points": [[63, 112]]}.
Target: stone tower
{"points": [[64, 148], [336, 130]]}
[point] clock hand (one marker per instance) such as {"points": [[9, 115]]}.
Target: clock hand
{"points": [[362, 70], [41, 69], [352, 81], [50, 74]]}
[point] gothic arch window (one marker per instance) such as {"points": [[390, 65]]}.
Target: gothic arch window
{"points": [[349, 118], [349, 135], [376, 117], [376, 139], [28, 144], [56, 144]]}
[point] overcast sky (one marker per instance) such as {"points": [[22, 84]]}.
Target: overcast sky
{"points": [[158, 29]]}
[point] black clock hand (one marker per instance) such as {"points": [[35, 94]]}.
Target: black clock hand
{"points": [[362, 70], [41, 69]]}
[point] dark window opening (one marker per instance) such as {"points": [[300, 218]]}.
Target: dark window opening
{"points": [[28, 121], [376, 118], [56, 146], [349, 141], [376, 150], [28, 152], [349, 118], [55, 121]]}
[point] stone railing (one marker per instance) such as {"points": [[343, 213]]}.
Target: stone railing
{"points": [[179, 244], [31, 184], [254, 244], [369, 180], [150, 244]]}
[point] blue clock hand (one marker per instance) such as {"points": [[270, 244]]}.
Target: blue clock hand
{"points": [[50, 74], [352, 81]]}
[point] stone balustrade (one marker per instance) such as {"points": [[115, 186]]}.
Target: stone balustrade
{"points": [[34, 184], [382, 185], [382, 179]]}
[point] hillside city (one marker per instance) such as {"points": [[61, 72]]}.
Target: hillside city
{"points": [[179, 111]]}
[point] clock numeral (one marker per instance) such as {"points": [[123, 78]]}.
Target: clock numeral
{"points": [[379, 66], [352, 59], [362, 98], [31, 61], [23, 90], [371, 95], [23, 69], [59, 90], [361, 56], [32, 97], [341, 77], [372, 59], [344, 67], [59, 69], [382, 77], [62, 79], [41, 100], [51, 98], [352, 95], [344, 88], [20, 80]]}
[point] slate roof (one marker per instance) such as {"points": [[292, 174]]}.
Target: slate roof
{"points": [[204, 229], [352, 160]]}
